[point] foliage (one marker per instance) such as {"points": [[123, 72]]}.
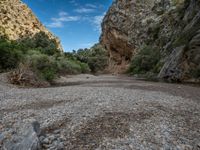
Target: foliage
{"points": [[96, 57], [42, 43], [147, 60], [10, 55], [40, 60], [43, 64], [195, 73]]}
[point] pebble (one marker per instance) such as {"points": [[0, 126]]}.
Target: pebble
{"points": [[60, 146], [57, 131], [46, 141], [41, 138], [198, 145], [1, 138], [81, 102]]}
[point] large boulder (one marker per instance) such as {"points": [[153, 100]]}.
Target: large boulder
{"points": [[27, 140]]}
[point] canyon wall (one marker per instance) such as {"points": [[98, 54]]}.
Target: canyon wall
{"points": [[172, 26]]}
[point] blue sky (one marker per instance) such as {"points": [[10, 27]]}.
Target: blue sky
{"points": [[75, 22]]}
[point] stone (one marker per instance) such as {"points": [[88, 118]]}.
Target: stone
{"points": [[1, 138], [60, 146], [41, 138], [28, 141], [46, 141], [198, 145]]}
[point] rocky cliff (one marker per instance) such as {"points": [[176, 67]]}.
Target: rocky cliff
{"points": [[17, 21], [172, 26]]}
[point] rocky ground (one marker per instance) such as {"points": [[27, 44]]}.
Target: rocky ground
{"points": [[101, 112]]}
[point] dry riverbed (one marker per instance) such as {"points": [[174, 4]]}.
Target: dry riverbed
{"points": [[86, 112]]}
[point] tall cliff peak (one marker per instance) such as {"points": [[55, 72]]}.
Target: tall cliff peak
{"points": [[17, 21]]}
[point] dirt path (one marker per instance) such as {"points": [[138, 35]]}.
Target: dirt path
{"points": [[106, 112]]}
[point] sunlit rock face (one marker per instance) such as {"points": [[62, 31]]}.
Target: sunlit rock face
{"points": [[172, 26], [17, 21], [123, 30]]}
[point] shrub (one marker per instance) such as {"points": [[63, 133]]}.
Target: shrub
{"points": [[42, 43], [195, 73], [24, 76], [69, 65], [74, 67], [84, 68], [96, 57], [10, 55], [147, 60], [42, 65]]}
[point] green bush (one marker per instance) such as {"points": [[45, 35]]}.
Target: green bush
{"points": [[96, 57], [147, 60], [10, 55], [44, 66], [195, 73], [71, 66], [40, 56], [42, 43], [84, 68]]}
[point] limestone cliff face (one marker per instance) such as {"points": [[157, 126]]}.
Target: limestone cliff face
{"points": [[121, 30], [17, 21], [173, 26]]}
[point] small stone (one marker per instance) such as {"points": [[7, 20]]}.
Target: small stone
{"points": [[41, 138], [55, 143], [1, 138], [51, 138], [36, 127], [57, 131], [46, 146], [60, 146], [45, 141], [198, 145]]}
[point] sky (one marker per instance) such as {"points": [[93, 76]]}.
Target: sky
{"points": [[75, 22]]}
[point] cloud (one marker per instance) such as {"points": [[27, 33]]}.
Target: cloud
{"points": [[62, 17], [84, 10], [96, 21], [55, 25], [91, 5], [88, 45], [73, 2]]}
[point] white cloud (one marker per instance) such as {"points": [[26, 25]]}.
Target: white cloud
{"points": [[91, 5], [96, 21], [88, 45], [84, 10], [55, 25], [73, 2], [62, 17]]}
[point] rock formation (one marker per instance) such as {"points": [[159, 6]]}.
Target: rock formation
{"points": [[17, 21], [172, 26], [122, 29]]}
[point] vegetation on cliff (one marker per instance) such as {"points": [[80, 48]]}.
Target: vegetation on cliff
{"points": [[146, 61], [37, 57]]}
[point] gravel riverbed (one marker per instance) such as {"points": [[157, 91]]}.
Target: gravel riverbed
{"points": [[87, 112]]}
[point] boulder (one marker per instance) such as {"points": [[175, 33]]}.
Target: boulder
{"points": [[28, 141]]}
